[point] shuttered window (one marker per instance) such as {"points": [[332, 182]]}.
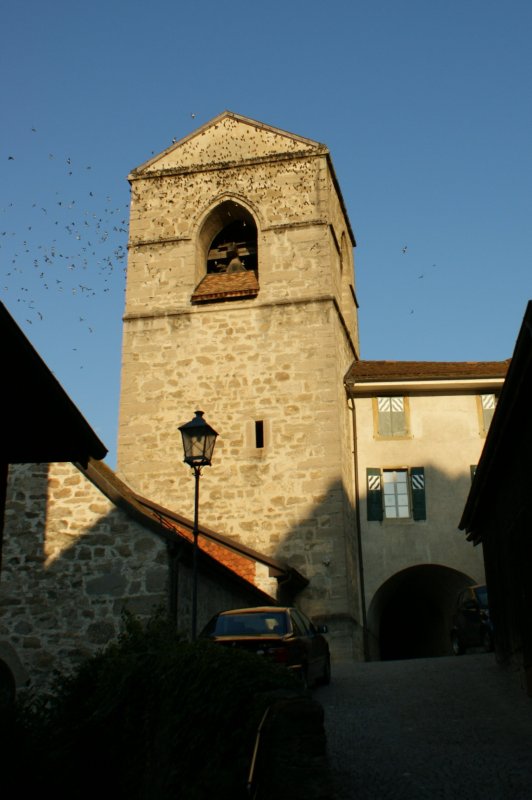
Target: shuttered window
{"points": [[374, 494], [417, 479], [396, 494], [487, 403], [391, 416]]}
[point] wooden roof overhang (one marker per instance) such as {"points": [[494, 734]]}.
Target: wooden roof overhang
{"points": [[505, 436]]}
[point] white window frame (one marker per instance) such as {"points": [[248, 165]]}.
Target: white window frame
{"points": [[397, 503]]}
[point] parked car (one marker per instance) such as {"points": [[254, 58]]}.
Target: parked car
{"points": [[283, 634], [472, 626]]}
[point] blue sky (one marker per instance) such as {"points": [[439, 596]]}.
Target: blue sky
{"points": [[425, 106]]}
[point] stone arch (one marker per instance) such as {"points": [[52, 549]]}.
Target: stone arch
{"points": [[410, 614], [227, 231], [12, 672], [345, 261]]}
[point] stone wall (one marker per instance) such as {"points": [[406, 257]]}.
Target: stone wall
{"points": [[278, 358], [72, 561], [291, 498]]}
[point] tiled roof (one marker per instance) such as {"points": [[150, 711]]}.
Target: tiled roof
{"points": [[226, 286], [379, 371], [226, 553]]}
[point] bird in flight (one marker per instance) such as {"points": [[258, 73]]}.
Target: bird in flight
{"points": [[405, 248]]}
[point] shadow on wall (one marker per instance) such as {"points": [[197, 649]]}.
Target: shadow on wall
{"points": [[59, 607], [68, 605], [420, 563], [410, 615], [323, 547], [62, 599]]}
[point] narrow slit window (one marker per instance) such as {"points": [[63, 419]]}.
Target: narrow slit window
{"points": [[259, 434]]}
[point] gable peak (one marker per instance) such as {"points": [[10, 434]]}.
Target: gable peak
{"points": [[227, 138]]}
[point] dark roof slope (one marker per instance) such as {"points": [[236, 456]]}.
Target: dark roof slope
{"points": [[379, 371], [508, 440], [40, 421]]}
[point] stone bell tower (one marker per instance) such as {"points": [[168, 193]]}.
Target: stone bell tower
{"points": [[240, 302]]}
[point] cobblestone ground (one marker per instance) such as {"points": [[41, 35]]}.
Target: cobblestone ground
{"points": [[436, 728]]}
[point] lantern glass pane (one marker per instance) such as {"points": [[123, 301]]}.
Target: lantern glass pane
{"points": [[198, 441]]}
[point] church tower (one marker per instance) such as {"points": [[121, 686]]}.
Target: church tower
{"points": [[240, 302]]}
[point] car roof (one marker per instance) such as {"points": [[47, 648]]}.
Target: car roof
{"points": [[255, 609]]}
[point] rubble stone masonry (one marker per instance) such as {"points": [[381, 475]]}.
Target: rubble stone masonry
{"points": [[71, 562], [277, 359]]}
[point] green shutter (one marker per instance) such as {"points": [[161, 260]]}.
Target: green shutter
{"points": [[417, 479], [374, 494]]}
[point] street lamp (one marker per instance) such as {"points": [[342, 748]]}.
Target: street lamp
{"points": [[198, 445]]}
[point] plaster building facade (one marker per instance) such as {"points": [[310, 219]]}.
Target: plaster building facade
{"points": [[420, 428]]}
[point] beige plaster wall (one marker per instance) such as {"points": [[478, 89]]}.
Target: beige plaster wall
{"points": [[446, 439]]}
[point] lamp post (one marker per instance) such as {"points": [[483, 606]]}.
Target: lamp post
{"points": [[198, 445]]}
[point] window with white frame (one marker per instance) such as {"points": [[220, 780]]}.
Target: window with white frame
{"points": [[396, 493]]}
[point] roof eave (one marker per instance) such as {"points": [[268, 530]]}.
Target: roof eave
{"points": [[409, 386], [520, 370]]}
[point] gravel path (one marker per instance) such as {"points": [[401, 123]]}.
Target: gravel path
{"points": [[436, 728]]}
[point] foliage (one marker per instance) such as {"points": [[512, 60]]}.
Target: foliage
{"points": [[150, 718]]}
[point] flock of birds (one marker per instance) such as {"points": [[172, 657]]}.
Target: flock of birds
{"points": [[62, 247], [70, 241]]}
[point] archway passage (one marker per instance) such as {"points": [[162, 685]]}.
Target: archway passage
{"points": [[411, 613]]}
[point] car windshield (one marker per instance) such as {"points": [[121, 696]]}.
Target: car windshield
{"points": [[262, 623], [482, 596]]}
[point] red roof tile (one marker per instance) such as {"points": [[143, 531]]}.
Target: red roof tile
{"points": [[219, 286]]}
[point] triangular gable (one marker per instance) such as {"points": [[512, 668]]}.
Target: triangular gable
{"points": [[228, 138]]}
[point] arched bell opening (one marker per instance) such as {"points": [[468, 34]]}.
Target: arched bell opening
{"points": [[229, 236]]}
